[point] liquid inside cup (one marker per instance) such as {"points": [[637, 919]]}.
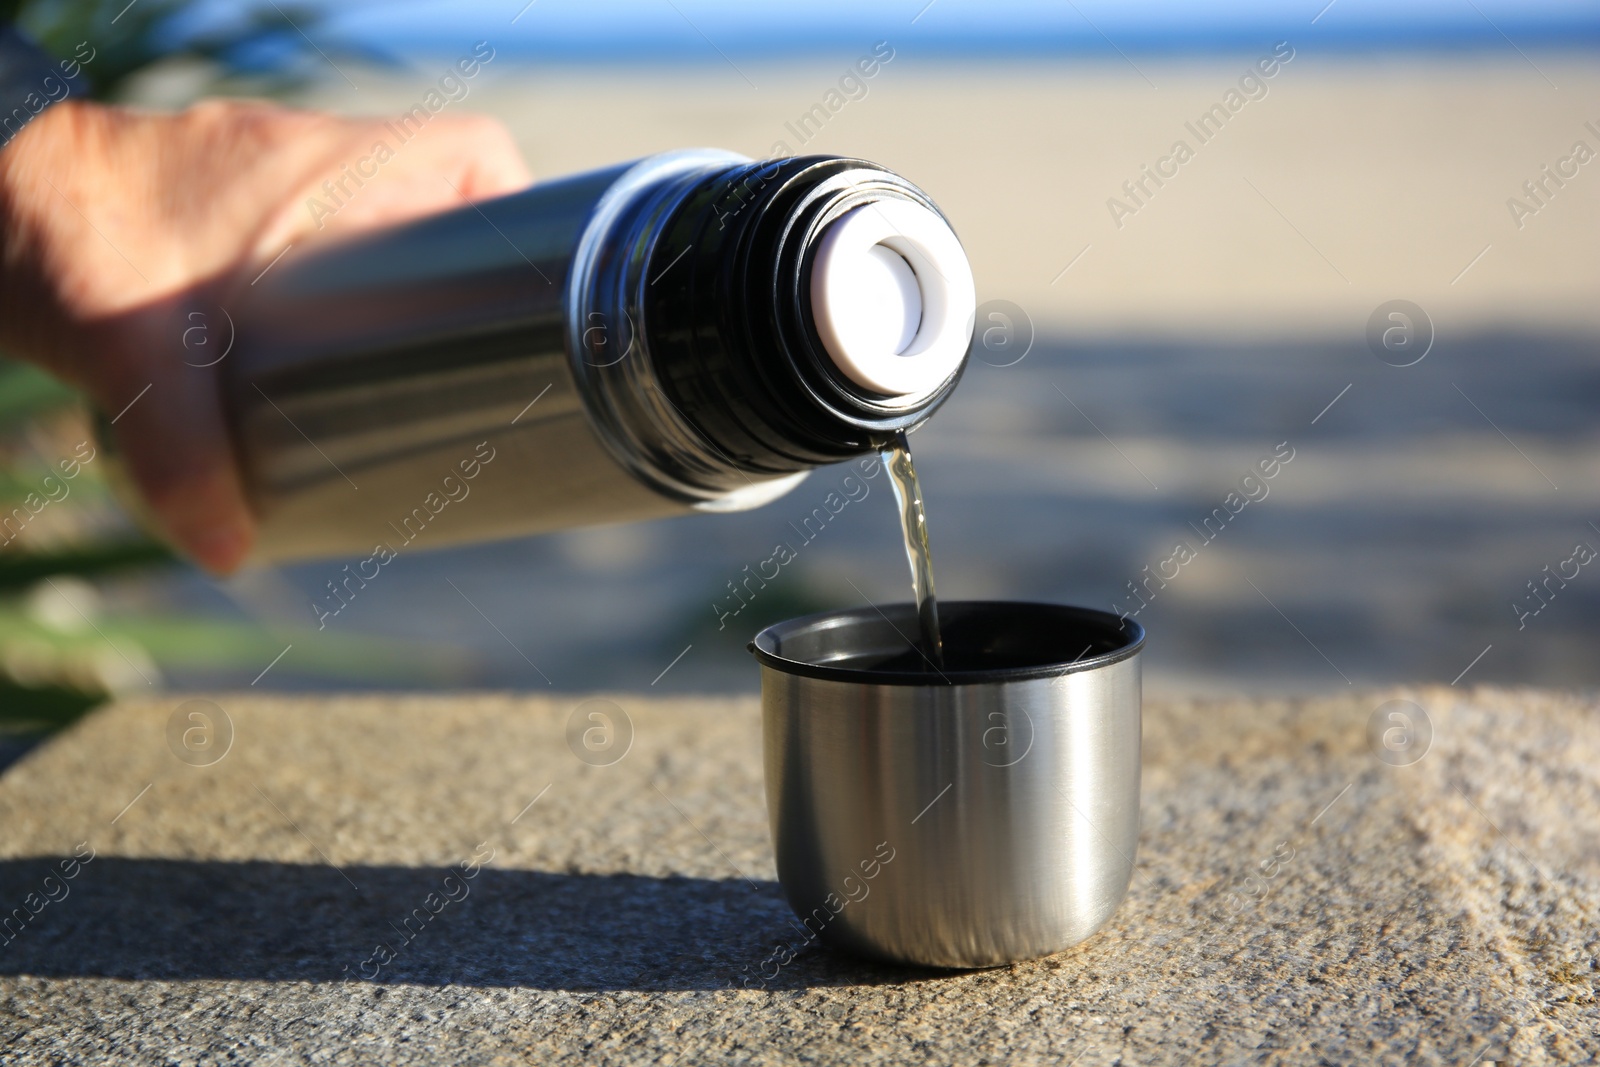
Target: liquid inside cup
{"points": [[983, 641]]}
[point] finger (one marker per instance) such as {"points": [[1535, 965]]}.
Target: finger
{"points": [[475, 153], [493, 165], [356, 188], [171, 432]]}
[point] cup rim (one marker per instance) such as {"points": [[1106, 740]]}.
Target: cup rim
{"points": [[766, 644]]}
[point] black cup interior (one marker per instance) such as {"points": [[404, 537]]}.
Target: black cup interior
{"points": [[984, 641]]}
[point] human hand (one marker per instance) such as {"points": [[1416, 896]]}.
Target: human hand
{"points": [[114, 221]]}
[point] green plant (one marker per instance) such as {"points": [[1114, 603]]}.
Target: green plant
{"points": [[264, 40]]}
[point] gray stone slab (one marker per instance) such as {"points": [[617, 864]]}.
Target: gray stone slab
{"points": [[1296, 899]]}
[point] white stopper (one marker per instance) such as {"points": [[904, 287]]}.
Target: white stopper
{"points": [[892, 297]]}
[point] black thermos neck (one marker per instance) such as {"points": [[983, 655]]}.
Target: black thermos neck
{"points": [[728, 308]]}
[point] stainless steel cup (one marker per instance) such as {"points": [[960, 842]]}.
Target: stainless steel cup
{"points": [[968, 817]]}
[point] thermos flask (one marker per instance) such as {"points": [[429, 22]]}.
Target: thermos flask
{"points": [[695, 330]]}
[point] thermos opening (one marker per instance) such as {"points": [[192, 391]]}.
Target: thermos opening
{"points": [[892, 297], [985, 641]]}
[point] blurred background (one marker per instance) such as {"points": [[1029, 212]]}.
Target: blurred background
{"points": [[1143, 344]]}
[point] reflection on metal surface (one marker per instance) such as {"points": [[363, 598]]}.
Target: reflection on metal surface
{"points": [[394, 357]]}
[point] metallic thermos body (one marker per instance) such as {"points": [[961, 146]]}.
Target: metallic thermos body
{"points": [[615, 346]]}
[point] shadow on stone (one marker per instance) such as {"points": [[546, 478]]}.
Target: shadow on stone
{"points": [[278, 922]]}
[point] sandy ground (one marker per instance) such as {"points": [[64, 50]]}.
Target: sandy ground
{"points": [[1344, 184]]}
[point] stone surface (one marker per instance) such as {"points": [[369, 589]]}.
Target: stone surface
{"points": [[1296, 900]]}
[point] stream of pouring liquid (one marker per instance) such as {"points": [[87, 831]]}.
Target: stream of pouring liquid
{"points": [[914, 524]]}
